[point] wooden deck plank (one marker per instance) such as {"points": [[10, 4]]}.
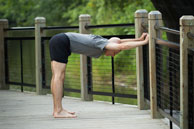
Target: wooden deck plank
{"points": [[29, 111]]}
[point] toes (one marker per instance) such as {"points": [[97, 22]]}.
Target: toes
{"points": [[65, 116], [71, 113]]}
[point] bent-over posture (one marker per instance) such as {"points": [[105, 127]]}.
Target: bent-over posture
{"points": [[61, 46]]}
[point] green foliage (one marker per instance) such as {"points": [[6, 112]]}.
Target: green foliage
{"points": [[66, 12]]}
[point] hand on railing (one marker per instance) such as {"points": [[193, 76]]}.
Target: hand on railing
{"points": [[142, 37], [147, 38]]}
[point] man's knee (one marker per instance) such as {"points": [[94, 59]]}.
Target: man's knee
{"points": [[58, 70], [58, 76]]}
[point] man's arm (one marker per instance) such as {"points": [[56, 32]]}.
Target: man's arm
{"points": [[113, 46], [136, 39]]}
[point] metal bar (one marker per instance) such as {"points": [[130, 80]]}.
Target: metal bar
{"points": [[66, 89], [190, 91], [105, 36], [43, 64], [19, 28], [6, 62], [108, 26], [169, 117], [167, 43], [60, 28], [72, 90], [171, 126], [158, 51], [170, 88], [19, 84], [19, 38], [47, 38], [113, 80], [146, 71], [114, 95], [89, 72], [21, 63], [172, 31]]}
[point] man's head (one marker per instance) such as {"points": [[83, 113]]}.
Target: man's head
{"points": [[113, 52], [115, 40]]}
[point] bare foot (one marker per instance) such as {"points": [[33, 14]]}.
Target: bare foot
{"points": [[67, 111], [64, 114]]}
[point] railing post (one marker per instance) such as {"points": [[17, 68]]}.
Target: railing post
{"points": [[39, 22], [84, 19], [3, 25], [141, 18], [186, 26], [154, 19]]}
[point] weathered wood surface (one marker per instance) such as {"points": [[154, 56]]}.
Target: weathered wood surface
{"points": [[141, 17], [29, 111], [154, 18], [84, 19]]}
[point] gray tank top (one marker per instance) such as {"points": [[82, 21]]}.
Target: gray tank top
{"points": [[87, 44]]}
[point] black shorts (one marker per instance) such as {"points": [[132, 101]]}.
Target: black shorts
{"points": [[59, 46]]}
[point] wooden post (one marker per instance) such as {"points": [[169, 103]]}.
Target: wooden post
{"points": [[154, 19], [186, 25], [84, 19], [3, 25], [141, 17], [39, 22]]}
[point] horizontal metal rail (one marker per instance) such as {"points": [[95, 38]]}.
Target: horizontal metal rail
{"points": [[105, 36], [70, 27], [19, 38], [172, 31], [109, 26], [72, 90], [60, 28], [19, 84], [65, 89], [112, 94], [167, 43], [19, 28]]}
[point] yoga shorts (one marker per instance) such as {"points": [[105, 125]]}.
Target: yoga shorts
{"points": [[59, 46]]}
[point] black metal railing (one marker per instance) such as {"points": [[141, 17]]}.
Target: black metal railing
{"points": [[107, 87], [190, 88], [72, 68], [109, 26], [103, 74], [72, 81], [168, 77], [146, 72], [15, 74]]}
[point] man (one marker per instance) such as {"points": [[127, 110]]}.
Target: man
{"points": [[61, 46]]}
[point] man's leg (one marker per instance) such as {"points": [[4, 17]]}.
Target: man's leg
{"points": [[58, 76]]}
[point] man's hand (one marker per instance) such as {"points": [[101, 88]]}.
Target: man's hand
{"points": [[147, 38], [143, 36]]}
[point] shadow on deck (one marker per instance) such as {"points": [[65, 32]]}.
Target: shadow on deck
{"points": [[29, 111]]}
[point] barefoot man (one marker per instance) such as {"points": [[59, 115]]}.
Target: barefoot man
{"points": [[61, 46]]}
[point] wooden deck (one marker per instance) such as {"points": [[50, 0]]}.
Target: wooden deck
{"points": [[29, 111]]}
